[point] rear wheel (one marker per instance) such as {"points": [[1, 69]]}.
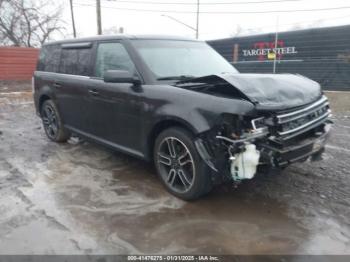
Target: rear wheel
{"points": [[179, 166], [52, 122]]}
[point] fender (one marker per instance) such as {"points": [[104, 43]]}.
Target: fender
{"points": [[198, 110], [167, 115], [44, 90], [193, 119]]}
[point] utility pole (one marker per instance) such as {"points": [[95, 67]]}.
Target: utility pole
{"points": [[98, 16], [197, 22], [72, 14], [276, 39]]}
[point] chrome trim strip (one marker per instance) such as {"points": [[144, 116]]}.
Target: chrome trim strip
{"points": [[303, 114], [62, 74], [305, 125], [324, 120], [322, 100], [77, 45]]}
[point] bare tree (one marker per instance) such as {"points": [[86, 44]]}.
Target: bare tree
{"points": [[240, 31], [28, 22], [114, 30], [237, 31]]}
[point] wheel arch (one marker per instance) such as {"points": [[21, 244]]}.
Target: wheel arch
{"points": [[162, 125], [42, 99]]}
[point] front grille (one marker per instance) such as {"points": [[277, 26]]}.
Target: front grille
{"points": [[299, 121]]}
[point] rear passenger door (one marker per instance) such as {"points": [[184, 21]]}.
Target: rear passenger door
{"points": [[72, 84], [46, 72], [114, 108]]}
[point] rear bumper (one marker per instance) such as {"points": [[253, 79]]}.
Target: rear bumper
{"points": [[300, 152]]}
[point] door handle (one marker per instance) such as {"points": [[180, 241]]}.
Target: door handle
{"points": [[56, 85], [93, 92]]}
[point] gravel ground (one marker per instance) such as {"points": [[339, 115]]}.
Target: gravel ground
{"points": [[80, 198], [15, 86]]}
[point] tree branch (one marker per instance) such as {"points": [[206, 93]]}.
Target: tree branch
{"points": [[27, 22]]}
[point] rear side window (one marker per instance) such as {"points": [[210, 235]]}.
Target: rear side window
{"points": [[75, 61], [112, 56], [49, 58]]}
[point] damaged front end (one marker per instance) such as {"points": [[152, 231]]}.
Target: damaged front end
{"points": [[237, 145], [290, 122], [232, 147]]}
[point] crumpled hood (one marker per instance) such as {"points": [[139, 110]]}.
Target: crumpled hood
{"points": [[275, 90], [268, 91]]}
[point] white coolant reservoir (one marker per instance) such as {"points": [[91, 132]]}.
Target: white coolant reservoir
{"points": [[244, 164]]}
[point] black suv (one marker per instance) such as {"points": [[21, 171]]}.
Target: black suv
{"points": [[180, 104]]}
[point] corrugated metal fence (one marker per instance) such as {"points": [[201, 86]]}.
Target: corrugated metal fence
{"points": [[17, 63], [322, 54]]}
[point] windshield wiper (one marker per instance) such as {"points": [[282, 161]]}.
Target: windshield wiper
{"points": [[182, 77]]}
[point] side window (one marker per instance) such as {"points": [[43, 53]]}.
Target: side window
{"points": [[41, 61], [49, 58], [112, 56], [69, 61], [53, 59], [84, 56], [75, 61]]}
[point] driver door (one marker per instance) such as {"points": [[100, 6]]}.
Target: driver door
{"points": [[114, 111]]}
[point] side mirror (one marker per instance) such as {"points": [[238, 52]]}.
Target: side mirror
{"points": [[120, 76]]}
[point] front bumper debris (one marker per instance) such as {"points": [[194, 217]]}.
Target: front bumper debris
{"points": [[279, 139], [242, 159], [281, 157]]}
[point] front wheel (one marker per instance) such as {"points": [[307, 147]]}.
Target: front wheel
{"points": [[52, 122], [179, 166]]}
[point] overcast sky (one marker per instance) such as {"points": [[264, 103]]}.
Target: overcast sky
{"points": [[211, 26]]}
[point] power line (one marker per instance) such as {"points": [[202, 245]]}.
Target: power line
{"points": [[222, 12], [306, 21], [204, 3]]}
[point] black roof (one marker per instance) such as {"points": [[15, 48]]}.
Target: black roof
{"points": [[118, 37]]}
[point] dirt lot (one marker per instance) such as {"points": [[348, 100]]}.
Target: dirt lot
{"points": [[79, 198]]}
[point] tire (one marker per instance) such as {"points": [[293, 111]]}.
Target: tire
{"points": [[179, 166], [52, 122]]}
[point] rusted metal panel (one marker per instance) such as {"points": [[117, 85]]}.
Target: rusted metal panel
{"points": [[17, 63]]}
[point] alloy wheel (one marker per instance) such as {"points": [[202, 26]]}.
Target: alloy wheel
{"points": [[50, 121], [176, 164]]}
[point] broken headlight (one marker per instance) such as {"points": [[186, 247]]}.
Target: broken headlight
{"points": [[259, 126], [248, 129], [258, 123]]}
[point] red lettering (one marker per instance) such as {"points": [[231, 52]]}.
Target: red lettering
{"points": [[271, 45]]}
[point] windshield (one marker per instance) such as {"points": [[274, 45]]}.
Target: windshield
{"points": [[173, 59]]}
